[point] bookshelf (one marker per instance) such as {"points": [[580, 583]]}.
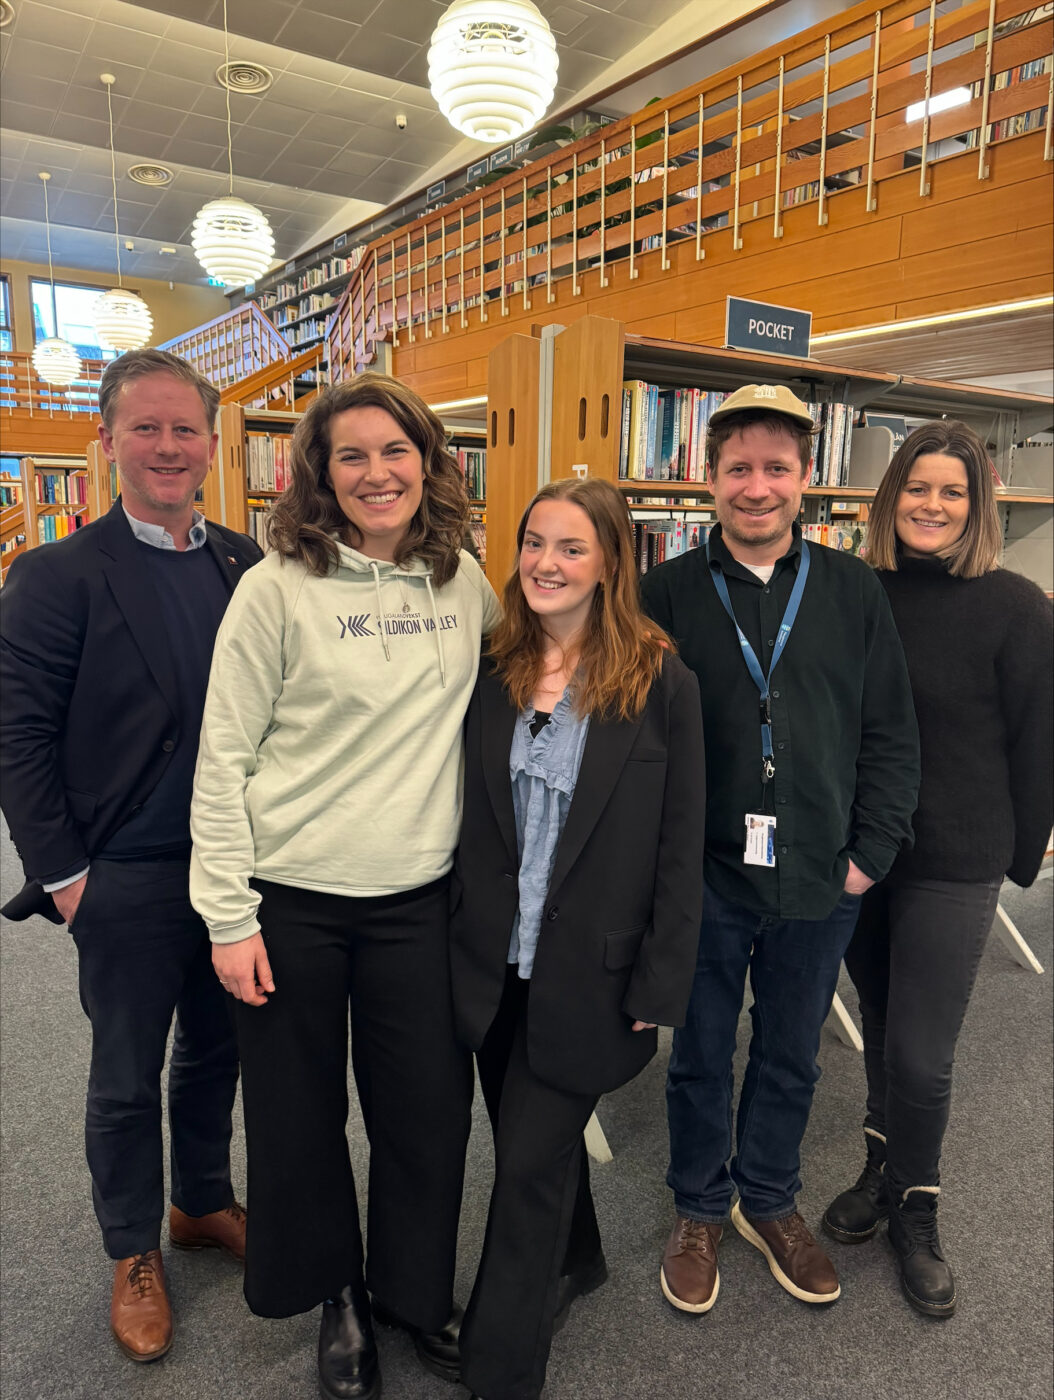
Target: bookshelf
{"points": [[555, 405], [12, 522], [59, 495]]}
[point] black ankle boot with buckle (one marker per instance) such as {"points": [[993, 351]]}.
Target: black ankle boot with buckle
{"points": [[347, 1353], [925, 1277], [856, 1214]]}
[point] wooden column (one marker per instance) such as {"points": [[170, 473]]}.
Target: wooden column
{"points": [[512, 446], [587, 397]]}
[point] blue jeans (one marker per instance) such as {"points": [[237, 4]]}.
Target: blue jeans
{"points": [[793, 974]]}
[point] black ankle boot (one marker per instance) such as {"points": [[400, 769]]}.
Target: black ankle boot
{"points": [[347, 1353], [439, 1352], [925, 1277], [856, 1214], [585, 1279]]}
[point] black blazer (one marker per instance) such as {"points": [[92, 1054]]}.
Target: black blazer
{"points": [[621, 927], [88, 717]]}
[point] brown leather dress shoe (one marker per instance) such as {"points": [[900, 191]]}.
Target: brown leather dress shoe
{"points": [[689, 1276], [795, 1260], [221, 1229], [140, 1315]]}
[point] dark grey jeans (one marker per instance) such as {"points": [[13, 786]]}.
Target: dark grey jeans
{"points": [[913, 959]]}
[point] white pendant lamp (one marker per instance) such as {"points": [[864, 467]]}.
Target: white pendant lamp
{"points": [[122, 319], [492, 67], [232, 239], [54, 359]]}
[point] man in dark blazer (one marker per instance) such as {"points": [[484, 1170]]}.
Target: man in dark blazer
{"points": [[105, 644]]}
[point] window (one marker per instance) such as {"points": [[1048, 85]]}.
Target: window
{"points": [[67, 310], [7, 341]]}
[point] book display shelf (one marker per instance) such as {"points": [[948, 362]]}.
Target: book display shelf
{"points": [[556, 408], [57, 496]]}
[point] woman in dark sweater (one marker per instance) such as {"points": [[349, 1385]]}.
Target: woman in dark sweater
{"points": [[978, 645]]}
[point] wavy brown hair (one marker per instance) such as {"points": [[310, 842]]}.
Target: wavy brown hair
{"points": [[307, 520], [621, 651], [976, 551]]}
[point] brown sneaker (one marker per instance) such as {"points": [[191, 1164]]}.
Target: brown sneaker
{"points": [[222, 1229], [689, 1274], [140, 1315], [797, 1262]]}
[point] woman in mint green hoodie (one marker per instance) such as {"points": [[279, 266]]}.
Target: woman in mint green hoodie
{"points": [[326, 809]]}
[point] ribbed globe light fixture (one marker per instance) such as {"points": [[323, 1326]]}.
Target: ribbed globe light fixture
{"points": [[122, 319], [492, 67], [54, 359], [231, 238]]}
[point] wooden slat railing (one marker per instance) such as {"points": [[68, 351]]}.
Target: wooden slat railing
{"points": [[233, 346], [796, 124], [23, 391], [275, 385]]}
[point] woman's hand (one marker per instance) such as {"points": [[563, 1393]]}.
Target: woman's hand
{"points": [[643, 1026], [243, 969]]}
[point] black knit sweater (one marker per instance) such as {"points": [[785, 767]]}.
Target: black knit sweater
{"points": [[979, 654]]}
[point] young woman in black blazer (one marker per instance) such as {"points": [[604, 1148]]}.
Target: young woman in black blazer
{"points": [[978, 644], [577, 900]]}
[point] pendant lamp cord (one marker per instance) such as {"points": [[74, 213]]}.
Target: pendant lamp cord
{"points": [[227, 91], [47, 226], [113, 177]]}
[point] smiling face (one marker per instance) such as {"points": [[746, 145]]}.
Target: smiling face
{"points": [[934, 505], [757, 486], [561, 565], [159, 436], [377, 476]]}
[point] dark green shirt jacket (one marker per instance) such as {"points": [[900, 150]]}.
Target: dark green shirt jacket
{"points": [[844, 736]]}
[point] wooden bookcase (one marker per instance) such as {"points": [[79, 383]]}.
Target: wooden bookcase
{"points": [[82, 494], [555, 404]]}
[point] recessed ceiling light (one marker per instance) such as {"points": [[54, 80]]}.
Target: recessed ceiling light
{"points": [[7, 13], [240, 76], [154, 175]]}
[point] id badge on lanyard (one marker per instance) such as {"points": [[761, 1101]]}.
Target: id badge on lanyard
{"points": [[759, 835]]}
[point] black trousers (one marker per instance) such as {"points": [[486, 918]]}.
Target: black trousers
{"points": [[385, 959], [913, 960], [144, 955], [541, 1194]]}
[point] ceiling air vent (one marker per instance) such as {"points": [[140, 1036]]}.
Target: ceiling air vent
{"points": [[7, 13], [152, 175], [243, 77]]}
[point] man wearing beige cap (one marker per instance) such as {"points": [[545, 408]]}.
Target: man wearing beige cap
{"points": [[812, 775]]}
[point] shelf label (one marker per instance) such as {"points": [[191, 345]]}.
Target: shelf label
{"points": [[772, 330], [896, 426], [435, 191]]}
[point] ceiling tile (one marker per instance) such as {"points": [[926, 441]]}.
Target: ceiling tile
{"points": [[381, 53], [48, 60], [80, 129], [262, 19], [320, 35], [273, 116], [50, 26]]}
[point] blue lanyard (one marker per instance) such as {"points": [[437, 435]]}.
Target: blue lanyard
{"points": [[768, 767]]}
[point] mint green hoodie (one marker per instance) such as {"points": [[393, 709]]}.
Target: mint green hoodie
{"points": [[330, 755]]}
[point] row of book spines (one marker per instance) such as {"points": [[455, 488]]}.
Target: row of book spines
{"points": [[664, 431], [847, 539], [258, 524], [655, 541], [57, 527], [268, 461], [10, 496], [312, 277], [61, 489], [473, 464], [664, 435]]}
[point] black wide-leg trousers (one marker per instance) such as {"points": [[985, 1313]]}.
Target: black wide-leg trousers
{"points": [[144, 957], [385, 960], [539, 1181]]}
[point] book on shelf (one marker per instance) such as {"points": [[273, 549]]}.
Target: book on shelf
{"points": [[478, 530], [847, 538], [472, 462], [10, 493], [60, 488], [267, 461], [57, 527], [257, 514], [658, 539]]}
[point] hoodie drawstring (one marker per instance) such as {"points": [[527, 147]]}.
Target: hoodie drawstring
{"points": [[438, 633], [380, 609], [435, 619]]}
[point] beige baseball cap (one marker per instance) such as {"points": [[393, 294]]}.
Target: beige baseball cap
{"points": [[768, 398]]}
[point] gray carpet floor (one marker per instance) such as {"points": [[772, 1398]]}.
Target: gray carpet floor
{"points": [[623, 1341]]}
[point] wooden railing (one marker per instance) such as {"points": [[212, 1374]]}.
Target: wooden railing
{"points": [[12, 535], [23, 391], [274, 386], [233, 346], [796, 124]]}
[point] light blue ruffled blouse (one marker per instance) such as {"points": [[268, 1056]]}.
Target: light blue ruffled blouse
{"points": [[543, 769]]}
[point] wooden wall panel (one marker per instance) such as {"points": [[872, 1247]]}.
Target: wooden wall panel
{"points": [[971, 243]]}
